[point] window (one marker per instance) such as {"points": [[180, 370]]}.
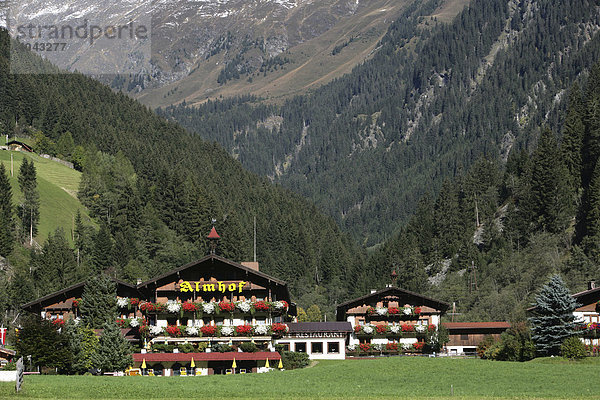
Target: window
{"points": [[333, 347], [316, 347], [464, 336], [301, 347], [261, 321], [219, 321], [286, 346]]}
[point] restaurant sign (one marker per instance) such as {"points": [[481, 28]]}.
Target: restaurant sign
{"points": [[317, 335]]}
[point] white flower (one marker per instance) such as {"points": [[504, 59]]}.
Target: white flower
{"points": [[122, 302], [421, 328], [208, 308], [134, 323], [368, 329], [279, 305], [407, 311], [406, 346], [261, 329], [244, 306], [351, 347], [381, 310], [173, 306], [395, 328], [156, 330], [227, 330], [77, 320], [191, 330]]}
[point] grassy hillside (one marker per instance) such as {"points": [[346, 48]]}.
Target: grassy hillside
{"points": [[57, 185], [391, 378]]}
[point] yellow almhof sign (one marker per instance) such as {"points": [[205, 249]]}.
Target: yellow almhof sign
{"points": [[211, 287]]}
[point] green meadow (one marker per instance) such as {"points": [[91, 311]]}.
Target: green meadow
{"points": [[57, 185], [388, 378]]}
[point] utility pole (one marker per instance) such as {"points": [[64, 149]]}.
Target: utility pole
{"points": [[472, 277]]}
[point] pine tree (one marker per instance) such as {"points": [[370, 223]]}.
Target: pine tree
{"points": [[83, 344], [553, 320], [114, 351], [7, 223], [29, 211], [102, 257], [572, 138], [55, 266], [551, 201], [99, 301]]}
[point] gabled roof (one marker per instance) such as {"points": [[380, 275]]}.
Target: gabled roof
{"points": [[70, 291], [393, 292], [213, 258]]}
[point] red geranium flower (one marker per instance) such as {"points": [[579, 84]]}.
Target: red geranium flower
{"points": [[243, 329], [370, 310], [381, 328], [223, 306], [418, 345], [278, 328], [261, 306], [417, 310], [431, 327], [407, 328], [190, 307], [392, 346], [121, 322], [134, 301], [208, 330], [357, 328], [364, 346], [173, 331], [285, 304], [58, 322], [393, 310], [76, 303]]}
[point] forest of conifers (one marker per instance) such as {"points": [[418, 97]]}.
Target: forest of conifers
{"points": [[448, 196]]}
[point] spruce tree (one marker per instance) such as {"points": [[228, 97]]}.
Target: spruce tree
{"points": [[7, 223], [56, 266], [572, 138], [83, 344], [550, 200], [102, 257], [29, 210], [99, 301], [553, 320], [114, 351]]}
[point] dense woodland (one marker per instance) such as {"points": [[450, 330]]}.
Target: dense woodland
{"points": [[152, 190], [518, 213], [432, 99], [517, 222]]}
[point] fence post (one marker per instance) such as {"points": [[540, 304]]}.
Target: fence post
{"points": [[20, 369]]}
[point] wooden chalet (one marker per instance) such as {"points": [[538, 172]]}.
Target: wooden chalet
{"points": [[465, 336], [391, 315]]}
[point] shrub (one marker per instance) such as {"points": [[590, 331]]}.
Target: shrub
{"points": [[484, 345], [186, 348], [11, 366], [294, 360], [249, 347], [573, 348], [222, 348]]}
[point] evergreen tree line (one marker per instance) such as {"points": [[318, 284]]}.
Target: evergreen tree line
{"points": [[516, 223], [433, 98], [153, 190]]}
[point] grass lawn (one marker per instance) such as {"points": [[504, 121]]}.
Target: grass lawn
{"points": [[397, 377], [57, 185]]}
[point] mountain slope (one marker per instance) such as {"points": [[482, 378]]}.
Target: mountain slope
{"points": [[368, 145], [156, 187]]}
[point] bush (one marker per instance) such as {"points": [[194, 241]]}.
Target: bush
{"points": [[11, 366], [162, 348], [249, 347], [573, 348], [484, 345], [186, 348], [294, 360], [222, 348]]}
